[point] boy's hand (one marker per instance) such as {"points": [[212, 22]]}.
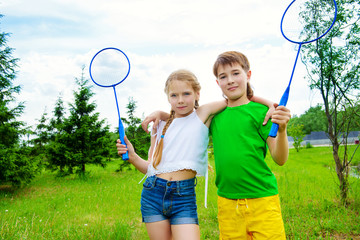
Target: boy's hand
{"points": [[281, 116], [153, 117]]}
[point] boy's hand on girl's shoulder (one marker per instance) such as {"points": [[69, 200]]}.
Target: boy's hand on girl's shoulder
{"points": [[153, 117], [269, 113]]}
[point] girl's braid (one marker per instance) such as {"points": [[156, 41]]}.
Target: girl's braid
{"points": [[160, 145]]}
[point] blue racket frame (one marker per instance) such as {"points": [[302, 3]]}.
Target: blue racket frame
{"points": [[125, 156], [284, 99]]}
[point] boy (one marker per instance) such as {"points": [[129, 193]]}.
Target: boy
{"points": [[248, 201]]}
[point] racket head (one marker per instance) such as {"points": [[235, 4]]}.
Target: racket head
{"points": [[109, 67], [320, 17]]}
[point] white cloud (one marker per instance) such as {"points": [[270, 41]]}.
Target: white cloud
{"points": [[54, 39]]}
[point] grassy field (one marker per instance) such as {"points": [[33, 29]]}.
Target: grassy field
{"points": [[106, 205]]}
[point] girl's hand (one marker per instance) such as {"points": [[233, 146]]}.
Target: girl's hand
{"points": [[270, 113], [121, 148]]}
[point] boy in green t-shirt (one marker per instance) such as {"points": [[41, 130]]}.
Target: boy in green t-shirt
{"points": [[248, 202]]}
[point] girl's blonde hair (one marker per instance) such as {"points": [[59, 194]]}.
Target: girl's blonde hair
{"points": [[230, 58], [179, 75]]}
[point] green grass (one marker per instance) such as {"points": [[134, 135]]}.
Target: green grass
{"points": [[106, 205]]}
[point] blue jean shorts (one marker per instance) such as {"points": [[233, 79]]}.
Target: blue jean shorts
{"points": [[169, 200]]}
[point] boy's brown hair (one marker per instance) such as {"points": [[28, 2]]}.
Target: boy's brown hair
{"points": [[230, 58]]}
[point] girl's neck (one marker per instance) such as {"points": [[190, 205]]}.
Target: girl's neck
{"points": [[183, 115]]}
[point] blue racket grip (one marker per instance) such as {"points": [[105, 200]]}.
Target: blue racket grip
{"points": [[125, 156], [283, 101], [274, 129]]}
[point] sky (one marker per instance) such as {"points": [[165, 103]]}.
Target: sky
{"points": [[55, 39]]}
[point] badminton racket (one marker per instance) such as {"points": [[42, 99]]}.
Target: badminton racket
{"points": [[304, 21], [108, 68]]}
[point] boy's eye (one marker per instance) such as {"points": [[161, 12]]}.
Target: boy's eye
{"points": [[222, 77], [172, 95]]}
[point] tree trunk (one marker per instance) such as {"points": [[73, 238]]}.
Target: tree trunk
{"points": [[342, 174], [341, 169]]}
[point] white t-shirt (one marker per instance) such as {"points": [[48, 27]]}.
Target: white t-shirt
{"points": [[185, 146]]}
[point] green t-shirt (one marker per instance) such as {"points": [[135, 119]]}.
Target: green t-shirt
{"points": [[239, 140]]}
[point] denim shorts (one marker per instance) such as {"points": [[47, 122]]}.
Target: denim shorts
{"points": [[169, 200]]}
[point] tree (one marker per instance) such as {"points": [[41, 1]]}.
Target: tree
{"points": [[42, 133], [297, 133], [81, 138], [134, 132], [57, 147], [15, 167], [8, 124], [333, 65]]}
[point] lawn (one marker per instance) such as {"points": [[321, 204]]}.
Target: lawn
{"points": [[106, 204]]}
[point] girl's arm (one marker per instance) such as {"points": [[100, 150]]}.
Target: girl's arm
{"points": [[279, 146], [265, 102], [207, 111], [134, 159]]}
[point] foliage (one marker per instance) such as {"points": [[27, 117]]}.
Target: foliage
{"points": [[313, 120], [134, 132], [17, 167], [297, 133], [333, 64]]}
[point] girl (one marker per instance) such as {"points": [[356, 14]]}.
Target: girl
{"points": [[178, 153]]}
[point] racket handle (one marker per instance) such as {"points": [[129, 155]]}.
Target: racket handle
{"points": [[274, 129], [125, 156], [283, 101]]}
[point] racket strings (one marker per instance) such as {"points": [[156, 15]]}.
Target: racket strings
{"points": [[307, 20], [109, 68]]}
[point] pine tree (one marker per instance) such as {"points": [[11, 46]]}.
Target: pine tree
{"points": [[56, 148], [15, 167], [81, 138]]}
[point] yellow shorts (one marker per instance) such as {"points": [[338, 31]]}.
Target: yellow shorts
{"points": [[254, 218]]}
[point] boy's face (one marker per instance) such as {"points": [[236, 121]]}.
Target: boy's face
{"points": [[233, 82]]}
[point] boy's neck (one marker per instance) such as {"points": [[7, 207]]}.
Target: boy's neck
{"points": [[238, 102]]}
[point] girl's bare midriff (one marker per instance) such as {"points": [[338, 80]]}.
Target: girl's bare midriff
{"points": [[178, 175]]}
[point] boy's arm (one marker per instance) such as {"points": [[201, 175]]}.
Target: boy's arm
{"points": [[207, 111], [265, 102], [279, 146]]}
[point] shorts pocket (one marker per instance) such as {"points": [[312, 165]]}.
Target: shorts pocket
{"points": [[149, 184]]}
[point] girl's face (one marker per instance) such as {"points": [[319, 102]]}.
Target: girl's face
{"points": [[233, 80], [181, 97]]}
